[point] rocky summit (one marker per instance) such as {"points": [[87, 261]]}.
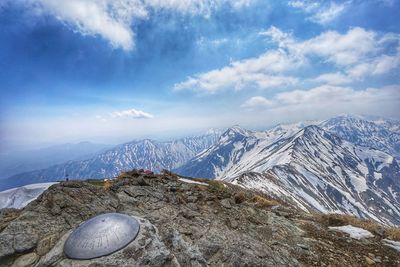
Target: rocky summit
{"points": [[185, 222]]}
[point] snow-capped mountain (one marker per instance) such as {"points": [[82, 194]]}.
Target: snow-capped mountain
{"points": [[19, 197], [209, 163], [308, 166], [344, 164], [231, 147], [380, 134], [143, 154]]}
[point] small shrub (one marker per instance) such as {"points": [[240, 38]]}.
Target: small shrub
{"points": [[393, 233], [129, 174], [167, 172], [219, 188], [107, 185], [239, 197], [264, 202]]}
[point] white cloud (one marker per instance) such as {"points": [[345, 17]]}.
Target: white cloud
{"points": [[377, 66], [109, 19], [320, 12], [333, 78], [112, 19], [132, 113], [259, 72], [256, 102], [320, 94], [358, 52], [321, 103], [343, 49], [328, 96], [340, 49]]}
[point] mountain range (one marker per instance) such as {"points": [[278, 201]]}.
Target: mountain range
{"points": [[346, 164], [142, 154], [319, 166]]}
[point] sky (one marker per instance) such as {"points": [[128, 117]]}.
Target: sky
{"points": [[110, 71]]}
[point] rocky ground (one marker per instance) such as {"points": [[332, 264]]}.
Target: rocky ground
{"points": [[182, 224]]}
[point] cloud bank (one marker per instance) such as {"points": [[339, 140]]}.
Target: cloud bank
{"points": [[352, 56], [113, 19], [260, 72], [327, 97], [132, 113]]}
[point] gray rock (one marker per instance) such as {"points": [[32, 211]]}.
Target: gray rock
{"points": [[207, 232], [25, 238], [226, 203], [233, 223], [26, 260], [46, 244], [191, 198], [303, 246]]}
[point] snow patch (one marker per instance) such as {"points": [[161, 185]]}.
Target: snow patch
{"points": [[354, 232], [392, 244], [191, 181], [19, 197]]}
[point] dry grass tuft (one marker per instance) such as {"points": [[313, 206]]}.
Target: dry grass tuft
{"points": [[240, 197], [129, 174], [219, 188], [264, 202], [96, 182], [107, 185], [393, 233]]}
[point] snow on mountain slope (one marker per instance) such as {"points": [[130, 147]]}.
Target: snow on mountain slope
{"points": [[343, 164], [228, 151], [311, 168], [232, 148], [143, 154], [380, 134], [328, 174], [19, 197]]}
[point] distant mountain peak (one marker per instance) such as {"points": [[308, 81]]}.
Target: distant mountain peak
{"points": [[236, 129], [313, 129]]}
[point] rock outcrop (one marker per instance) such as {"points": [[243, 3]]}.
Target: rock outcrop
{"points": [[182, 224]]}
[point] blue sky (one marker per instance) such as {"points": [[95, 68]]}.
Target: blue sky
{"points": [[115, 70]]}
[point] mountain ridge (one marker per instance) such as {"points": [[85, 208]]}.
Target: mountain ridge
{"points": [[138, 154], [329, 173], [322, 159]]}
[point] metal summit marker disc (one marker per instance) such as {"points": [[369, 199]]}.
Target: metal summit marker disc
{"points": [[101, 236]]}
